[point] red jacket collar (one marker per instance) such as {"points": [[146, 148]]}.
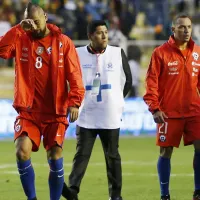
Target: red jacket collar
{"points": [[172, 42], [54, 29]]}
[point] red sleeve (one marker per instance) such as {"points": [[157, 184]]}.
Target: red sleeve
{"points": [[8, 42], [198, 85], [151, 95], [74, 75]]}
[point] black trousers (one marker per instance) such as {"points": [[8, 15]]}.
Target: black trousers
{"points": [[85, 142]]}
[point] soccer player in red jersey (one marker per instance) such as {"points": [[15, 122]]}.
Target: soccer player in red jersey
{"points": [[172, 94], [46, 67]]}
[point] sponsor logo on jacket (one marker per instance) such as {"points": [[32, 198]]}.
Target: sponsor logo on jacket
{"points": [[25, 49], [193, 74], [173, 69], [49, 50], [173, 73], [23, 59], [172, 63], [194, 63], [24, 55], [195, 71]]}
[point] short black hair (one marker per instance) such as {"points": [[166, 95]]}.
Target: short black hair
{"points": [[91, 28], [180, 15]]}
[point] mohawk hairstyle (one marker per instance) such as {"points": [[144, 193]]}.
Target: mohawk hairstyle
{"points": [[30, 6], [91, 28]]}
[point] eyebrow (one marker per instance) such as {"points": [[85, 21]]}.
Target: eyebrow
{"points": [[184, 25], [102, 30]]}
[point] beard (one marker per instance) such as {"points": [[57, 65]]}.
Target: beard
{"points": [[39, 34]]}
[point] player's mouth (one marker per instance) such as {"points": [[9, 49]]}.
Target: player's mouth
{"points": [[37, 32]]}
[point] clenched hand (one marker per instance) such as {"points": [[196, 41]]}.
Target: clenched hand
{"points": [[28, 25], [159, 117]]}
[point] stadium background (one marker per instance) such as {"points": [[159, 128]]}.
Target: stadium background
{"points": [[138, 26]]}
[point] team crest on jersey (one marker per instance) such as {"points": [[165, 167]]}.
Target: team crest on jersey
{"points": [[162, 138], [195, 55], [39, 50]]}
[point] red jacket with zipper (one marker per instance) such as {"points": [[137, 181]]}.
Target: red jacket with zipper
{"points": [[173, 82], [15, 41]]}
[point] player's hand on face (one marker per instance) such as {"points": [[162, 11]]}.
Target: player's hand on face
{"points": [[73, 114], [159, 117], [28, 25]]}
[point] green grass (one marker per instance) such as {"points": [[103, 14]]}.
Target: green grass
{"points": [[140, 182]]}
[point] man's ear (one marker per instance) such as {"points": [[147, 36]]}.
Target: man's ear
{"points": [[173, 29], [89, 36], [46, 17]]}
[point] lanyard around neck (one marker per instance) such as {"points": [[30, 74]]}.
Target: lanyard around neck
{"points": [[97, 57]]}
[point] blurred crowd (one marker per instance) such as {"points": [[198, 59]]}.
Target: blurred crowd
{"points": [[127, 19]]}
